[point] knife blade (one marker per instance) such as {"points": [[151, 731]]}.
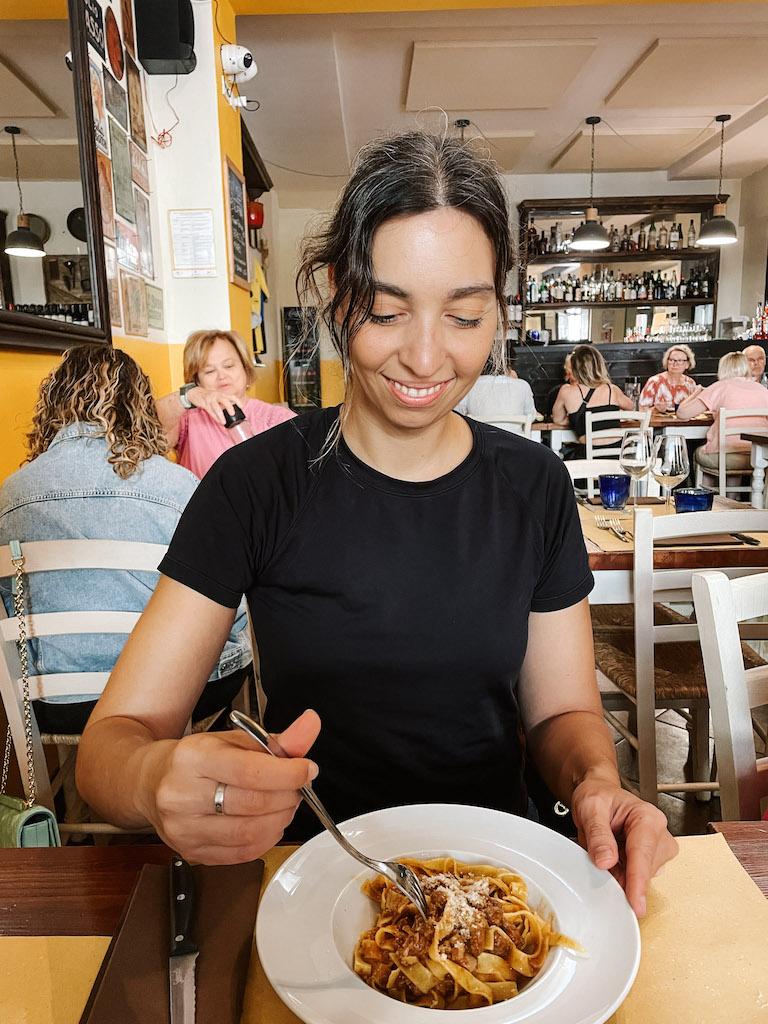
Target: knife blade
{"points": [[181, 962], [745, 539]]}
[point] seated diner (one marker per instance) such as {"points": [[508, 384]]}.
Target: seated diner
{"points": [[666, 390], [590, 389]]}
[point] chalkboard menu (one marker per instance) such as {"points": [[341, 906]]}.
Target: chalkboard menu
{"points": [[238, 225]]}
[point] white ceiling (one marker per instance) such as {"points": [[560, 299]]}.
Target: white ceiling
{"points": [[525, 77], [37, 95]]}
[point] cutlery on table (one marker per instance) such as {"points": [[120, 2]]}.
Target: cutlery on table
{"points": [[745, 538], [603, 524], [400, 875], [181, 962], [616, 525]]}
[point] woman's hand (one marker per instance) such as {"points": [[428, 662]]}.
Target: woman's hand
{"points": [[213, 402], [622, 834], [260, 799]]}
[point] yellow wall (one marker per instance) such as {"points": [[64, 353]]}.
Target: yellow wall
{"points": [[366, 6]]}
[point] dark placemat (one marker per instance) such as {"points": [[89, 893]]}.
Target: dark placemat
{"points": [[132, 986], [645, 499]]}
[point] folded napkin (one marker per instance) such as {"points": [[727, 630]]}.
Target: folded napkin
{"points": [[704, 943]]}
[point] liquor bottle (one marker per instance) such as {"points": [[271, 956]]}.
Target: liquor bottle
{"points": [[704, 287], [615, 240], [569, 290], [663, 237], [674, 237], [652, 236], [632, 240], [642, 238], [691, 241], [532, 238], [672, 287], [680, 237], [625, 240], [577, 291], [642, 290], [682, 290], [518, 309], [543, 292], [558, 237], [552, 241]]}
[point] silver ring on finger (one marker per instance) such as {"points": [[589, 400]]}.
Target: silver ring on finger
{"points": [[218, 798]]}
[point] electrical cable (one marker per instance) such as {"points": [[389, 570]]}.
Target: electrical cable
{"points": [[309, 174], [164, 138], [216, 18]]}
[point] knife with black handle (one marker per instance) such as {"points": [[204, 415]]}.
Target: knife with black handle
{"points": [[181, 962]]}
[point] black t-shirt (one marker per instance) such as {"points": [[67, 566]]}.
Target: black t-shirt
{"points": [[398, 610]]}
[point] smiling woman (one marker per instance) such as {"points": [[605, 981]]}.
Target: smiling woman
{"points": [[410, 573]]}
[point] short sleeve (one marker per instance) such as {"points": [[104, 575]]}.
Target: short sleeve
{"points": [[648, 395], [211, 551], [181, 442], [529, 406], [565, 577]]}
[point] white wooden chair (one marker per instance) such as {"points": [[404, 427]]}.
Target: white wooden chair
{"points": [[590, 470], [516, 423], [626, 642], [58, 556], [724, 432], [721, 604], [642, 419]]}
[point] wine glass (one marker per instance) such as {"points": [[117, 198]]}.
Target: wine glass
{"points": [[635, 457], [670, 462]]}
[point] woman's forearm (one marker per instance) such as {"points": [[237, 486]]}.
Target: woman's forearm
{"points": [[570, 748], [118, 766]]}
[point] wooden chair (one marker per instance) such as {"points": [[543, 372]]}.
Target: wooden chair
{"points": [[724, 432], [60, 556], [721, 604], [642, 419], [627, 638], [517, 423]]}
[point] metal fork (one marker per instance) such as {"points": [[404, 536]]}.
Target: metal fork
{"points": [[616, 525], [400, 875], [604, 524]]}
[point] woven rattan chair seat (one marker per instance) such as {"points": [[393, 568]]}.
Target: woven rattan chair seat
{"points": [[679, 670]]}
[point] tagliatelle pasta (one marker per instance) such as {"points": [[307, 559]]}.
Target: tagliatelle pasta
{"points": [[480, 943]]}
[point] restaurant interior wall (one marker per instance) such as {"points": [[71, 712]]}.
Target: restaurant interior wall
{"points": [[754, 217]]}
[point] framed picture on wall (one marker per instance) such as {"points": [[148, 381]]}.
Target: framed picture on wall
{"points": [[136, 103], [155, 314], [127, 245], [139, 166], [113, 287], [134, 304], [122, 180], [144, 232], [237, 225], [105, 195], [126, 17], [116, 99], [99, 112]]}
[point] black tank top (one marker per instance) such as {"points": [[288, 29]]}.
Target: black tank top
{"points": [[578, 419]]}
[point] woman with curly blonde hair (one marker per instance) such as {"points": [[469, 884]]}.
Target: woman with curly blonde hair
{"points": [[96, 471]]}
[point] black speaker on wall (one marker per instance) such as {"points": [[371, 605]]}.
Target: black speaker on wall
{"points": [[165, 36]]}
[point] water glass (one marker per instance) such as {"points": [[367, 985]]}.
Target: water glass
{"points": [[635, 457], [670, 462], [693, 499], [614, 490]]}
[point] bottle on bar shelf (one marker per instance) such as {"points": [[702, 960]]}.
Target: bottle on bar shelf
{"points": [[691, 241], [663, 239], [652, 235], [674, 237], [604, 285]]}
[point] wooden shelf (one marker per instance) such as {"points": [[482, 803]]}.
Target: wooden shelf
{"points": [[638, 256], [618, 304]]}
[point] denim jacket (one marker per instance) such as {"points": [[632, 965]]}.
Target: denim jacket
{"points": [[72, 492]]}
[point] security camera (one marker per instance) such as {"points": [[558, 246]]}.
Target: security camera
{"points": [[237, 63]]}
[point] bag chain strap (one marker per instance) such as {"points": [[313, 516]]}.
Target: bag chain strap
{"points": [[21, 642]]}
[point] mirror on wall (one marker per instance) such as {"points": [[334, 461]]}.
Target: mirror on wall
{"points": [[52, 278]]}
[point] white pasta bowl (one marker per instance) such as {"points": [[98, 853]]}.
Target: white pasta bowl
{"points": [[313, 912]]}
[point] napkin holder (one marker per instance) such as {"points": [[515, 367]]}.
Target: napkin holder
{"points": [[132, 984]]}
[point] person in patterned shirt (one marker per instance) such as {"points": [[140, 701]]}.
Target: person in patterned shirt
{"points": [[666, 390]]}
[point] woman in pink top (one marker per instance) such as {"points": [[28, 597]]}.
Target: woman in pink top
{"points": [[734, 389], [219, 373], [672, 386]]}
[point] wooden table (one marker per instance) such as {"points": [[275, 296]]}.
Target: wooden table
{"points": [[613, 569], [759, 460], [556, 435], [82, 890]]}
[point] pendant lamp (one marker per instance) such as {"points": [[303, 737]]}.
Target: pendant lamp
{"points": [[21, 242], [718, 230], [591, 235]]}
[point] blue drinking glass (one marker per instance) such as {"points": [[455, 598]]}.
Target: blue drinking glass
{"points": [[614, 490], [693, 499]]}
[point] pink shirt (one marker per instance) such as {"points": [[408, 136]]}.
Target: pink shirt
{"points": [[202, 440], [734, 393]]}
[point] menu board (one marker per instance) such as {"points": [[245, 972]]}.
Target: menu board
{"points": [[238, 225]]}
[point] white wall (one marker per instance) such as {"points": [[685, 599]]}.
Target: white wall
{"points": [[187, 175], [53, 201], [754, 218]]}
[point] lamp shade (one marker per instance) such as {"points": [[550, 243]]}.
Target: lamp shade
{"points": [[591, 235], [24, 242], [718, 230]]}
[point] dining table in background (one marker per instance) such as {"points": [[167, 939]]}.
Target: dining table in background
{"points": [[556, 435], [611, 560]]}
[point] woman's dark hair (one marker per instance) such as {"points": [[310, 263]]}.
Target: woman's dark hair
{"points": [[100, 385], [399, 176]]}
